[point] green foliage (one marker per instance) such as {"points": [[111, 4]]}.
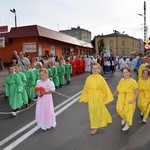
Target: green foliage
{"points": [[101, 45]]}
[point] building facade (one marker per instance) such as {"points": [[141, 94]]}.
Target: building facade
{"points": [[39, 41], [120, 44], [81, 34]]}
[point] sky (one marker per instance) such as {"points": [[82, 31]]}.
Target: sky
{"points": [[97, 16]]}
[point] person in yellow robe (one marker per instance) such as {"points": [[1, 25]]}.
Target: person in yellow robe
{"points": [[144, 95], [97, 94], [127, 90], [142, 66]]}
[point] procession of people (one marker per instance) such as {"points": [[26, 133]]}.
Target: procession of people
{"points": [[52, 72]]}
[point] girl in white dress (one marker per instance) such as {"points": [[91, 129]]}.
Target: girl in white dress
{"points": [[45, 116]]}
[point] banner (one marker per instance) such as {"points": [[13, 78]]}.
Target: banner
{"points": [[3, 29], [2, 42], [29, 47]]}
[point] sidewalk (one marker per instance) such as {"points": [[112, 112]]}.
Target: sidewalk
{"points": [[3, 74]]}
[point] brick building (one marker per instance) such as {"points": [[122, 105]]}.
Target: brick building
{"points": [[79, 33], [37, 41], [120, 44]]}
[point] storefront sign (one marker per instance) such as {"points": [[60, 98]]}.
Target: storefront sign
{"points": [[29, 47], [3, 29]]}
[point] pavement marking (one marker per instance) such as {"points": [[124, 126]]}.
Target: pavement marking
{"points": [[61, 94], [33, 122], [16, 133], [26, 135], [66, 106], [22, 138], [66, 101], [58, 106]]}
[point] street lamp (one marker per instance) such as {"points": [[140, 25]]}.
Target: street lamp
{"points": [[14, 11]]}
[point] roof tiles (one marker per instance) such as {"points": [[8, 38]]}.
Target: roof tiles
{"points": [[35, 30]]}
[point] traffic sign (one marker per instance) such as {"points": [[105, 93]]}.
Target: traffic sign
{"points": [[147, 41], [147, 46]]}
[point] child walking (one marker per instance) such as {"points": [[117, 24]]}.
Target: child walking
{"points": [[24, 80], [13, 90], [97, 94], [127, 90], [68, 69], [45, 116], [144, 95], [30, 84]]}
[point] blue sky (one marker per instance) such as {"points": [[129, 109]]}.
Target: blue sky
{"points": [[97, 16]]}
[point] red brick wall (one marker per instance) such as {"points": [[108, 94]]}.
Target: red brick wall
{"points": [[16, 44]]}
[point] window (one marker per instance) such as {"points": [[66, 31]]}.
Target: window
{"points": [[123, 43], [53, 50], [111, 45]]}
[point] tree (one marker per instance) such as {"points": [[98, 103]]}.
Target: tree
{"points": [[93, 44], [101, 45]]}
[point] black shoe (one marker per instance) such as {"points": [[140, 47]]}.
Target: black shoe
{"points": [[27, 105], [143, 122], [141, 116], [61, 86]]}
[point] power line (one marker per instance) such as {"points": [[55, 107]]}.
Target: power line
{"points": [[113, 20]]}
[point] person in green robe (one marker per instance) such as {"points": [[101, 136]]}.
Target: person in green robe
{"points": [[68, 69], [55, 78], [49, 70], [49, 73], [24, 80], [35, 72], [30, 84], [61, 73], [13, 90]]}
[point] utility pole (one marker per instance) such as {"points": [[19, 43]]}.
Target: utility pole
{"points": [[145, 28]]}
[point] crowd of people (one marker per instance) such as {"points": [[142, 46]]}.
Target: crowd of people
{"points": [[52, 72], [97, 94]]}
